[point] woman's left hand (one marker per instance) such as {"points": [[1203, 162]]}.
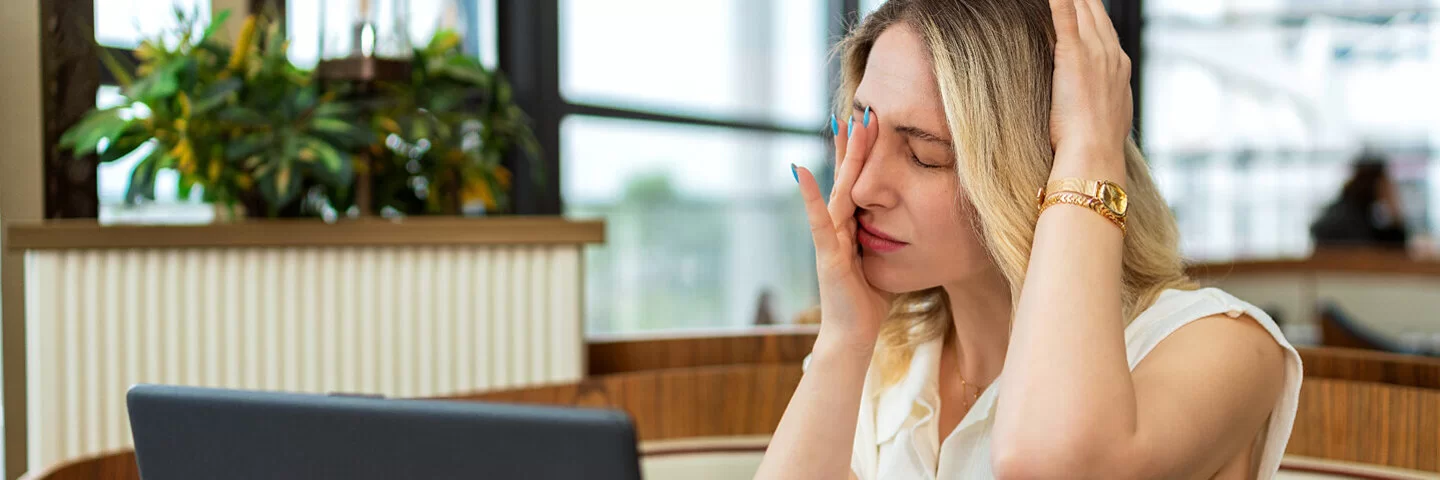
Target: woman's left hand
{"points": [[1091, 104]]}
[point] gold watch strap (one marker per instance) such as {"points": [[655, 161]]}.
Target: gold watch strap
{"points": [[1103, 190], [1086, 201], [1077, 185]]}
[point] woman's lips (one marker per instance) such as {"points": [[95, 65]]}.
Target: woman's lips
{"points": [[876, 240]]}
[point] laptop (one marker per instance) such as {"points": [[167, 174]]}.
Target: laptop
{"points": [[190, 433]]}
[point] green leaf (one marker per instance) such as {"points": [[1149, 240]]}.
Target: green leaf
{"points": [[142, 179], [331, 167], [216, 95], [341, 133], [467, 70], [84, 138], [161, 83], [120, 69], [419, 128], [445, 99], [443, 40], [246, 146], [335, 109], [215, 25], [281, 186], [242, 116], [503, 93], [122, 145], [258, 166], [187, 183], [305, 99]]}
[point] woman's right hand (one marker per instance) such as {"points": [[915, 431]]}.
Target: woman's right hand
{"points": [[851, 310]]}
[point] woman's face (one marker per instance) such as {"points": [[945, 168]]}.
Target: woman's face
{"points": [[915, 226]]}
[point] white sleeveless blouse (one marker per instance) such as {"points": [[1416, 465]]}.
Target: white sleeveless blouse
{"points": [[897, 436]]}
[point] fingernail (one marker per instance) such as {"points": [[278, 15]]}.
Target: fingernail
{"points": [[867, 117], [795, 173], [834, 125], [850, 126]]}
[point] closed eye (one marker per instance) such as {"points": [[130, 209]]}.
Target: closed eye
{"points": [[916, 159]]}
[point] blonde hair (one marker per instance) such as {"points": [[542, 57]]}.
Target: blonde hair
{"points": [[993, 62]]}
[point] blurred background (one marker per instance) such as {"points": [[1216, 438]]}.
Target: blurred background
{"points": [[666, 129], [1252, 113]]}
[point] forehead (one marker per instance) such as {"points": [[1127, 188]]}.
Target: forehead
{"points": [[899, 82]]}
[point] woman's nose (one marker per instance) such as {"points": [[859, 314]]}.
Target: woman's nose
{"points": [[875, 187]]}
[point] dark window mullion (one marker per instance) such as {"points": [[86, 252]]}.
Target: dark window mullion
{"points": [[651, 116], [1128, 16]]}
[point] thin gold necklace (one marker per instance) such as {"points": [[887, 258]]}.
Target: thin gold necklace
{"points": [[964, 385]]}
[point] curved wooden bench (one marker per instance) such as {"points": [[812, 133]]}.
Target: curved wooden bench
{"points": [[1356, 406], [113, 466]]}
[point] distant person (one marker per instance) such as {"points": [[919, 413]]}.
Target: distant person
{"points": [[763, 315], [1367, 213]]}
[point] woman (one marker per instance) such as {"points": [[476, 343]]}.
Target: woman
{"points": [[1367, 213], [975, 333]]}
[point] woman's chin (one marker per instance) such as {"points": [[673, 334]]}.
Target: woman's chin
{"points": [[888, 277]]}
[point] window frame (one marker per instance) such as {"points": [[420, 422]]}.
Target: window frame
{"points": [[529, 44]]}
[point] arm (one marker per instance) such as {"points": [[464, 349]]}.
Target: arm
{"points": [[816, 434], [1070, 404]]}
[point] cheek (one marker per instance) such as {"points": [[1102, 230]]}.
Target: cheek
{"points": [[953, 248]]}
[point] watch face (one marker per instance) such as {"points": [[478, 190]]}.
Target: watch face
{"points": [[1114, 198]]}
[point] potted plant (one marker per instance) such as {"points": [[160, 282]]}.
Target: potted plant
{"points": [[444, 133], [242, 123]]}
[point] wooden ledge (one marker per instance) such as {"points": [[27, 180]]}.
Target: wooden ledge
{"points": [[1356, 260], [411, 231]]}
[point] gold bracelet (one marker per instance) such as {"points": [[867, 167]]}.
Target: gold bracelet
{"points": [[1086, 201]]}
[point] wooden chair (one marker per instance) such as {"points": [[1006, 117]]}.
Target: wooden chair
{"points": [[113, 466], [1369, 407]]}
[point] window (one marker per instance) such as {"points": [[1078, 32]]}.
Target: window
{"points": [[124, 23], [1254, 111], [705, 229], [474, 19], [748, 60], [705, 226]]}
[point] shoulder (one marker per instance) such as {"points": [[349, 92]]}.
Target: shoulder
{"points": [[1212, 337], [1217, 369], [1212, 319]]}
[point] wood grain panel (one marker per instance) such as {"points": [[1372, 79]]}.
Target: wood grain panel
{"points": [[678, 403], [1369, 423], [1349, 260], [1371, 366], [609, 356], [411, 231]]}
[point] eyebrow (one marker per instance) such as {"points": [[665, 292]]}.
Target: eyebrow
{"points": [[910, 130]]}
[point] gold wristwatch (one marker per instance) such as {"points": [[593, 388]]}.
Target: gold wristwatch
{"points": [[1104, 197]]}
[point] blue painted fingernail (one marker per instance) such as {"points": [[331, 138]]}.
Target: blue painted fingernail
{"points": [[850, 126], [795, 173], [867, 117], [834, 125]]}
